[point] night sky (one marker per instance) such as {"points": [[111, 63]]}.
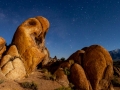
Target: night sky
{"points": [[74, 24]]}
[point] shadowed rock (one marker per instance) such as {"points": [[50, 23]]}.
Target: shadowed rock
{"points": [[88, 69]]}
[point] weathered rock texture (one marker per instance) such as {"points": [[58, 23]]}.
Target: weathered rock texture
{"points": [[12, 65], [98, 66], [2, 46], [79, 78], [29, 39], [93, 68], [27, 49], [61, 77], [88, 69], [77, 56]]}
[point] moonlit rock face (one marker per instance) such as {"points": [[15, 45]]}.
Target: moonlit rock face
{"points": [[2, 46], [29, 39], [92, 68], [27, 49], [98, 65], [12, 65], [79, 78]]}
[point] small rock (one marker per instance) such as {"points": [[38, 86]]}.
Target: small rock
{"points": [[61, 77]]}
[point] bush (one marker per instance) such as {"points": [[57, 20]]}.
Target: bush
{"points": [[30, 85], [116, 82], [49, 76], [71, 62], [71, 86], [1, 81], [44, 70], [66, 71], [62, 59], [64, 88]]}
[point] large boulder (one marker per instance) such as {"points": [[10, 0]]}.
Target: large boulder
{"points": [[2, 46], [27, 49], [93, 68], [29, 39], [98, 66]]}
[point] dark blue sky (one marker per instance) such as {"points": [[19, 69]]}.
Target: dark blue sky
{"points": [[74, 24]]}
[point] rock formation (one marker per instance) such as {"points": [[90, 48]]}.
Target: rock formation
{"points": [[77, 56], [27, 49], [61, 77], [12, 65], [2, 46], [79, 78], [92, 68], [98, 65], [29, 39]]}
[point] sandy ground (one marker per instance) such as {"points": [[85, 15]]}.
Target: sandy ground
{"points": [[36, 77]]}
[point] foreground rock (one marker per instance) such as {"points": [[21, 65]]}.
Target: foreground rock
{"points": [[29, 39], [2, 46], [12, 65], [88, 69], [27, 49]]}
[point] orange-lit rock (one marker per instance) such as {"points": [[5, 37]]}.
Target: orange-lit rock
{"points": [[12, 65], [98, 66], [78, 78], [2, 46], [29, 39], [77, 56], [61, 77]]}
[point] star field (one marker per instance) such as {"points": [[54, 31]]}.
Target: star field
{"points": [[74, 24]]}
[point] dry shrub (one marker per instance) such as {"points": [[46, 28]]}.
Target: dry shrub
{"points": [[30, 85]]}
